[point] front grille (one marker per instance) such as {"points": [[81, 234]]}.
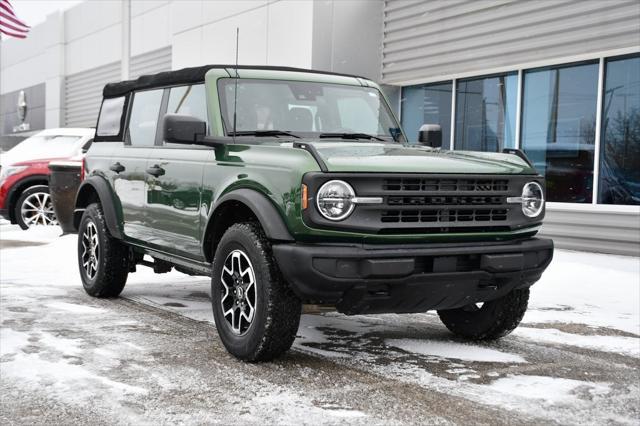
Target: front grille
{"points": [[451, 201], [428, 204]]}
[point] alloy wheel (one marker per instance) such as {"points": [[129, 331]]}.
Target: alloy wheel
{"points": [[239, 297], [90, 250], [37, 209]]}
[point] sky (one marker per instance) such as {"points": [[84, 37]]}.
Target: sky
{"points": [[34, 12]]}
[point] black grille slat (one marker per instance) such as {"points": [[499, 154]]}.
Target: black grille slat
{"points": [[449, 200], [444, 216], [444, 184]]}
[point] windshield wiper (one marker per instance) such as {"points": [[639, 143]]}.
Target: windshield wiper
{"points": [[350, 136], [265, 133]]}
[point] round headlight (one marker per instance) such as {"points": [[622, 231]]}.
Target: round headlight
{"points": [[532, 199], [334, 200]]}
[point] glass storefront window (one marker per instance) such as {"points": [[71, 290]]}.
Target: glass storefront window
{"points": [[558, 128], [619, 181], [427, 104], [486, 113]]}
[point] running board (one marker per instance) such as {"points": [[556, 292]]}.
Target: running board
{"points": [[198, 268]]}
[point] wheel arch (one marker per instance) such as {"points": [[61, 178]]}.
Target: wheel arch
{"points": [[238, 206], [18, 188], [97, 189]]}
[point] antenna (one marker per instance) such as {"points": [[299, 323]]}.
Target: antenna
{"points": [[235, 91]]}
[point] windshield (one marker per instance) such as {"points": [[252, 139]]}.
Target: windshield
{"points": [[42, 147], [306, 109]]}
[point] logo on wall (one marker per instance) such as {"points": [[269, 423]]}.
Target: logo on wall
{"points": [[21, 109]]}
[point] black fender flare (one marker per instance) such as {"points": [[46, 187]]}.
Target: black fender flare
{"points": [[263, 208], [100, 186]]}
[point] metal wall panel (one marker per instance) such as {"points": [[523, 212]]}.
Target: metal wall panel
{"points": [[151, 62], [596, 231], [83, 91], [424, 40], [83, 94]]}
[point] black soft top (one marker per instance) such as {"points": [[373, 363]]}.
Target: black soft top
{"points": [[189, 76]]}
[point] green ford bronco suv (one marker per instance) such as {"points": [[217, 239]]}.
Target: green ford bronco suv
{"points": [[290, 187]]}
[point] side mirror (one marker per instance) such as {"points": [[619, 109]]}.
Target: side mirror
{"points": [[430, 135], [185, 129]]}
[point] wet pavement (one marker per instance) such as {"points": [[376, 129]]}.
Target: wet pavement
{"points": [[153, 357]]}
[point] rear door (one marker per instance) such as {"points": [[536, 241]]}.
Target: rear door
{"points": [[174, 191], [129, 162]]}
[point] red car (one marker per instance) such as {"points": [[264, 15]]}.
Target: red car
{"points": [[24, 174]]}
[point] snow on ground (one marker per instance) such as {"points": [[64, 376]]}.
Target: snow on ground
{"points": [[461, 351], [585, 309], [589, 288]]}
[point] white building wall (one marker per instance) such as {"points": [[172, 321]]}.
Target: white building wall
{"points": [[92, 35], [37, 59], [85, 41], [273, 33]]}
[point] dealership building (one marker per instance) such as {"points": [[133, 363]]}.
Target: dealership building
{"points": [[559, 79]]}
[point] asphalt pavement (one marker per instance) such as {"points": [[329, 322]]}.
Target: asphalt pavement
{"points": [[153, 357]]}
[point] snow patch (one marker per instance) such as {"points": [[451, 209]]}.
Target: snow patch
{"points": [[76, 309], [66, 346], [552, 390], [69, 381], [624, 345], [461, 351], [588, 288], [290, 408], [12, 341]]}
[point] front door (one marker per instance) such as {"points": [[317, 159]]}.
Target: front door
{"points": [[174, 183], [130, 177]]}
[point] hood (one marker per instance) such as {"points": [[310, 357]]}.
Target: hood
{"points": [[387, 157]]}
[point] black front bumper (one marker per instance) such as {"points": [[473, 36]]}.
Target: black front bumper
{"points": [[411, 278], [4, 213]]}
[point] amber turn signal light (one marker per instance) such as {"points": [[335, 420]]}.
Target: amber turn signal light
{"points": [[305, 197]]}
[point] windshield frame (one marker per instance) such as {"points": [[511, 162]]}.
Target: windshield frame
{"points": [[227, 131]]}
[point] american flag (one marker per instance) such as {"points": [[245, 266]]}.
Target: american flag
{"points": [[9, 23]]}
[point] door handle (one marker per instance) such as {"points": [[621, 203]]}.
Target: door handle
{"points": [[156, 171], [117, 167]]}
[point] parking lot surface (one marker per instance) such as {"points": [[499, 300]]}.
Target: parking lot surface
{"points": [[152, 356]]}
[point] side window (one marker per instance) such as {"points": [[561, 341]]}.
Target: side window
{"points": [[188, 100], [110, 118], [144, 117]]}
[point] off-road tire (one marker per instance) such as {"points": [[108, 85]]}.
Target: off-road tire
{"points": [[113, 260], [493, 320], [44, 189], [277, 311]]}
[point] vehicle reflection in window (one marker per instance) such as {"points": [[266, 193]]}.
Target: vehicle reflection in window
{"points": [[558, 128], [620, 140]]}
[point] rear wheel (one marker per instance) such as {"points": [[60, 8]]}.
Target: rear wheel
{"points": [[34, 208], [103, 260], [256, 313], [488, 320]]}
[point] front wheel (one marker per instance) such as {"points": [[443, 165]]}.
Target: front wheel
{"points": [[34, 207], [103, 260], [256, 313], [489, 320]]}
